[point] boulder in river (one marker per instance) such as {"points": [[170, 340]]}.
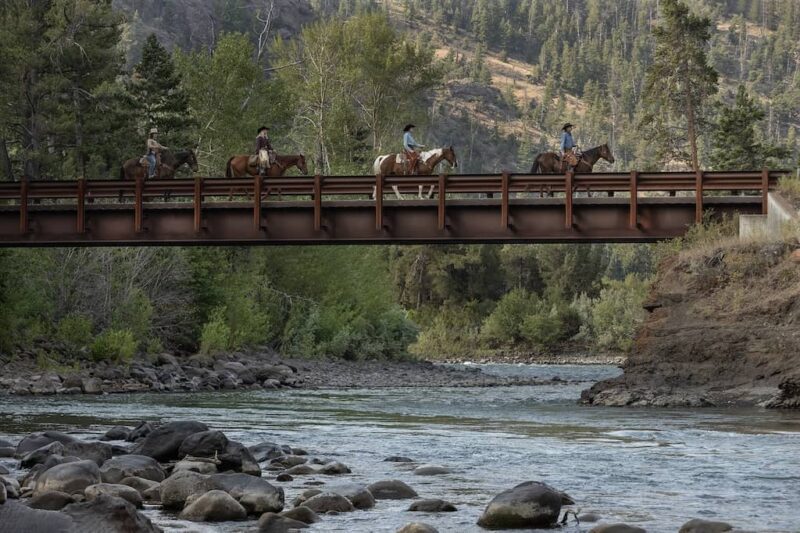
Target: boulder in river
{"points": [[11, 487], [359, 495], [274, 523], [334, 468], [71, 478], [117, 433], [213, 506], [40, 455], [266, 451], [616, 528], [51, 500], [529, 505], [305, 495], [589, 517], [418, 527], [302, 514], [329, 502], [37, 440], [203, 444], [120, 491], [196, 464], [430, 470], [255, 494], [398, 459], [96, 451], [238, 458], [300, 470], [704, 526], [177, 488], [432, 506], [118, 468], [392, 490], [142, 430], [16, 517], [288, 461], [164, 442], [139, 484], [109, 513]]}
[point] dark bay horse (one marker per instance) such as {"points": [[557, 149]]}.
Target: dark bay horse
{"points": [[239, 166], [551, 163], [169, 164], [397, 165]]}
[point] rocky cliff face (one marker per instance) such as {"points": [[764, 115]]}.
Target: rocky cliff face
{"points": [[724, 329]]}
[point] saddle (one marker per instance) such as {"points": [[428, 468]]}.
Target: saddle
{"points": [[256, 159], [568, 160]]}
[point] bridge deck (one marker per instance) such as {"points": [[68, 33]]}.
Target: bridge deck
{"points": [[321, 210]]}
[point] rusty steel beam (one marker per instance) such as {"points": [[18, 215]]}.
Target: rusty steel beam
{"points": [[405, 222]]}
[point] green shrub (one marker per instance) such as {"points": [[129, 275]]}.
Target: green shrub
{"points": [[75, 331], [617, 312], [216, 334], [450, 331], [543, 330], [114, 345], [301, 332], [248, 325], [135, 313], [789, 186], [504, 325]]}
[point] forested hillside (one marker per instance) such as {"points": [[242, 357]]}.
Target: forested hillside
{"points": [[82, 82]]}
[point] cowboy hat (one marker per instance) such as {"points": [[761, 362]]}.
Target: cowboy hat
{"points": [[262, 128], [567, 125], [408, 127], [153, 130]]}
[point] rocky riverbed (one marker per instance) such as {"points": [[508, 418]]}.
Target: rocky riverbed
{"points": [[237, 371], [117, 483]]}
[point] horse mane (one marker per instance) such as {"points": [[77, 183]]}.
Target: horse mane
{"points": [[592, 151]]}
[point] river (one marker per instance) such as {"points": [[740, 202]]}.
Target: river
{"points": [[654, 468]]}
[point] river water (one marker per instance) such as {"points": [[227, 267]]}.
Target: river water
{"points": [[655, 468]]}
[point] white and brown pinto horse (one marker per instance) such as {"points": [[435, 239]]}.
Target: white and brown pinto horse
{"points": [[397, 165]]}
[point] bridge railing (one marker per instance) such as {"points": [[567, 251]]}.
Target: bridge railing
{"points": [[203, 192]]}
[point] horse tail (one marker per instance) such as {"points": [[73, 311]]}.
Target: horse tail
{"points": [[535, 167], [229, 168]]}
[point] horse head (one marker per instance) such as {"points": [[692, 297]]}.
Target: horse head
{"points": [[449, 155], [301, 164], [605, 153]]}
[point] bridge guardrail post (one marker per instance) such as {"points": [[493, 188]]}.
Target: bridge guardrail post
{"points": [[634, 221], [698, 197], [568, 220], [138, 207], [257, 186], [442, 200], [317, 202], [504, 199], [379, 202], [80, 215], [765, 191], [24, 227], [198, 204]]}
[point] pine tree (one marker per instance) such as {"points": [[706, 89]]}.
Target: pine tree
{"points": [[156, 87], [680, 80]]}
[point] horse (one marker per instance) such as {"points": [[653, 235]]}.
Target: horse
{"points": [[396, 165], [239, 166], [133, 168], [551, 163]]}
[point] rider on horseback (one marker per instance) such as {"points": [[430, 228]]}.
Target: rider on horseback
{"points": [[264, 152], [410, 146], [568, 147], [153, 155]]}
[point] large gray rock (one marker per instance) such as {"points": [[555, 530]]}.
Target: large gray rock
{"points": [[139, 484], [288, 461], [432, 506], [96, 451], [17, 518], [528, 505], [255, 494], [392, 490], [142, 430], [359, 495], [71, 478], [164, 442], [302, 514], [334, 468], [238, 458], [430, 470], [196, 464], [120, 491], [6, 444], [40, 455], [418, 527], [204, 444], [616, 528], [118, 468], [213, 506], [265, 451], [306, 494], [273, 523], [177, 488], [300, 470], [109, 514], [51, 501], [704, 526], [329, 502], [117, 433], [11, 486], [37, 440]]}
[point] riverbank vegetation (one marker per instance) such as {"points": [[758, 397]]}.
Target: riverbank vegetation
{"points": [[83, 81]]}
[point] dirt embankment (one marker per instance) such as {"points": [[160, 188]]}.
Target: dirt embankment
{"points": [[724, 329]]}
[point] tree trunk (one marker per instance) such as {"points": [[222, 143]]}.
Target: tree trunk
{"points": [[5, 161], [692, 126], [80, 158]]}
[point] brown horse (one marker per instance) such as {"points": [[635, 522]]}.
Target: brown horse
{"points": [[239, 166], [397, 165], [551, 163], [169, 164]]}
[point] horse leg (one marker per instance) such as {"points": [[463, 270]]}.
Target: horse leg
{"points": [[397, 192]]}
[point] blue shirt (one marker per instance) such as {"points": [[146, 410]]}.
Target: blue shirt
{"points": [[408, 142], [566, 141]]}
